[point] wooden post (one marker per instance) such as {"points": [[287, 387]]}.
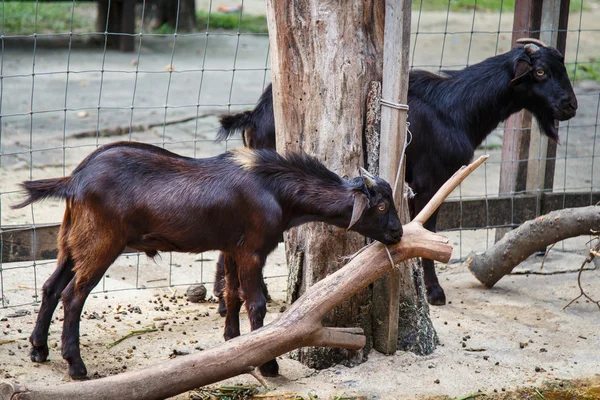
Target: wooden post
{"points": [[127, 25], [527, 155], [399, 283], [324, 56], [542, 152]]}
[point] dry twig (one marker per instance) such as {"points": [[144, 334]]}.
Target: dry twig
{"points": [[130, 334], [593, 253]]}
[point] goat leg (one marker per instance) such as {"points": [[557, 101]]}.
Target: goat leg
{"points": [[232, 298], [250, 271], [51, 291], [219, 286]]}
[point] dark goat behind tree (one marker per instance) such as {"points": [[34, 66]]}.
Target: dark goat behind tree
{"points": [[144, 197], [450, 116]]}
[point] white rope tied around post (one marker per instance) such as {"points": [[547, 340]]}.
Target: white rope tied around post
{"points": [[403, 107], [397, 106]]}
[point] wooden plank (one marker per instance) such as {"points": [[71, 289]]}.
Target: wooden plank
{"points": [[25, 243], [542, 151], [507, 211], [561, 45], [18, 241], [392, 138]]}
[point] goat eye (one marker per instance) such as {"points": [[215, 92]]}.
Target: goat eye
{"points": [[381, 207], [540, 72]]}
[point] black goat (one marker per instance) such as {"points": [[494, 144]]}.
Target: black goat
{"points": [[451, 115], [149, 199]]}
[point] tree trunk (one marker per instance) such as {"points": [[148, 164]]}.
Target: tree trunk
{"points": [[163, 12], [533, 235], [324, 56], [415, 328]]}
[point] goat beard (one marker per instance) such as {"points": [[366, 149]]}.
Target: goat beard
{"points": [[547, 126]]}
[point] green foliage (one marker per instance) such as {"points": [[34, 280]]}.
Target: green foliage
{"points": [[585, 70], [482, 5], [21, 18], [231, 21]]}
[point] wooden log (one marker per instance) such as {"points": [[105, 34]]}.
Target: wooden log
{"points": [[522, 242], [299, 325], [324, 56]]}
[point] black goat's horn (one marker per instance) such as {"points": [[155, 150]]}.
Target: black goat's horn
{"points": [[531, 41], [368, 178]]}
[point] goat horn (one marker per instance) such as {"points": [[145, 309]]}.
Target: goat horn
{"points": [[531, 41], [531, 48], [368, 177]]}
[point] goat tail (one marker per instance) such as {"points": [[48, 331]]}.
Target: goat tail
{"points": [[230, 124], [43, 189]]}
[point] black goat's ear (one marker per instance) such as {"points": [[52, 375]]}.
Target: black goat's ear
{"points": [[522, 68], [361, 202]]}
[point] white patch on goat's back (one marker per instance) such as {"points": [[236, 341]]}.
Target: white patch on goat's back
{"points": [[244, 157]]}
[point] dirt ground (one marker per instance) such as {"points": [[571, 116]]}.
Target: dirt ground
{"points": [[515, 335]]}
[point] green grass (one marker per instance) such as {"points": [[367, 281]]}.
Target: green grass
{"points": [[585, 70], [231, 21], [482, 5], [20, 17], [223, 21]]}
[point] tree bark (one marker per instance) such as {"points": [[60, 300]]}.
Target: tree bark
{"points": [[324, 56], [415, 328], [533, 235], [300, 325]]}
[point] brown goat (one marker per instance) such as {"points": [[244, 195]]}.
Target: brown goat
{"points": [[149, 199]]}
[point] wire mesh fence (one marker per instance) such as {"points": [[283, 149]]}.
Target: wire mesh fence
{"points": [[65, 90]]}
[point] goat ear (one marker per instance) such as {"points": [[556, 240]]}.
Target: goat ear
{"points": [[522, 68], [361, 202]]}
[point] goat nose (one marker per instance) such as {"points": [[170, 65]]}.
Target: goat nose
{"points": [[573, 104], [570, 101]]}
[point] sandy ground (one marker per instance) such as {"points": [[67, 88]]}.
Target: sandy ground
{"points": [[482, 333], [520, 309]]}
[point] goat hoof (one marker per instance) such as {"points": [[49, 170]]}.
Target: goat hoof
{"points": [[78, 372], [436, 296], [222, 308], [269, 369], [39, 353]]}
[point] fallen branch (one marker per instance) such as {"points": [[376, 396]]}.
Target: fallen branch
{"points": [[299, 326], [533, 235], [124, 129]]}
